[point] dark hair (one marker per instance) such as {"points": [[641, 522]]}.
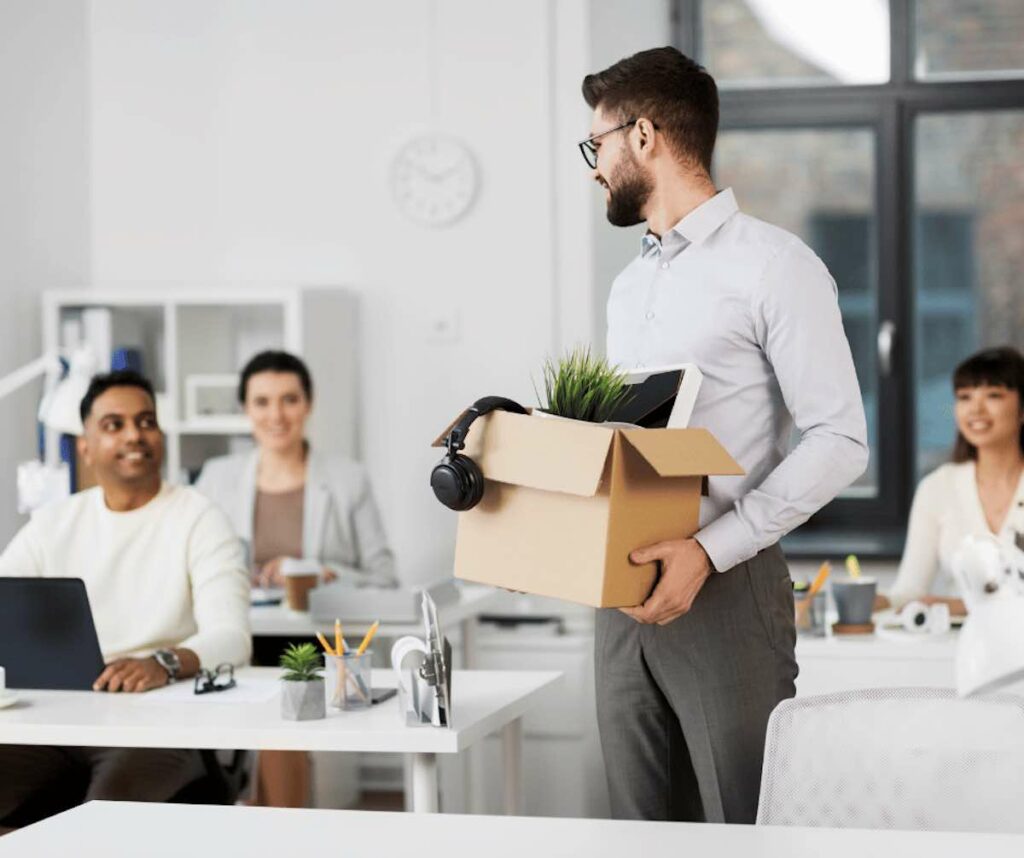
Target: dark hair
{"points": [[100, 384], [998, 367], [670, 90], [275, 361]]}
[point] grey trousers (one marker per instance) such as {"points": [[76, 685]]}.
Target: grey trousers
{"points": [[682, 709], [112, 774]]}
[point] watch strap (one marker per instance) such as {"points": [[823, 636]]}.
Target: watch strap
{"points": [[169, 661]]}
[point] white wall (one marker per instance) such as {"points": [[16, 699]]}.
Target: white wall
{"points": [[240, 141], [43, 198], [250, 141], [618, 28]]}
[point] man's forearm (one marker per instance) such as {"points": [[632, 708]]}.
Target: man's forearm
{"points": [[813, 473]]}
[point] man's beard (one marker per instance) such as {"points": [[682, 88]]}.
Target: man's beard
{"points": [[629, 188]]}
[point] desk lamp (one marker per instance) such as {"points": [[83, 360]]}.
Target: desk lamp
{"points": [[39, 482]]}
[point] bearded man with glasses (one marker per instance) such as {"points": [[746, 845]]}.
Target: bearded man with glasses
{"points": [[686, 681]]}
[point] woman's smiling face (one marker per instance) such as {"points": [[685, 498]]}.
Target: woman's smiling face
{"points": [[988, 415], [277, 408]]}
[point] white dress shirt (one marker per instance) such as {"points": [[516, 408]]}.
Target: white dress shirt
{"points": [[168, 574], [755, 309], [947, 509]]}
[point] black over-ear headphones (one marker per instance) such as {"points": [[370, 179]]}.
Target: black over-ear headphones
{"points": [[456, 479]]}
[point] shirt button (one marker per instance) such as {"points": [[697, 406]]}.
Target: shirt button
{"points": [[664, 265], [650, 316]]}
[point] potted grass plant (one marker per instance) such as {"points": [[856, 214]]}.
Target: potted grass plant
{"points": [[302, 683], [581, 386]]}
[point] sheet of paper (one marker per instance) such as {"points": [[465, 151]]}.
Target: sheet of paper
{"points": [[245, 691]]}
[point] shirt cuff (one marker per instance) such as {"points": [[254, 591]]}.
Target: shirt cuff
{"points": [[726, 542]]}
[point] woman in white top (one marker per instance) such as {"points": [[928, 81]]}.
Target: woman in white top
{"points": [[981, 491], [286, 501]]}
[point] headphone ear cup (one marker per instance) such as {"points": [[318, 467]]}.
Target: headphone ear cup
{"points": [[474, 482], [448, 486], [457, 482]]}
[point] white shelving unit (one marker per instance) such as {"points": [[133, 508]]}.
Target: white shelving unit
{"points": [[193, 330]]}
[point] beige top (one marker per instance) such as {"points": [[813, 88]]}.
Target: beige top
{"points": [[277, 525], [341, 525]]}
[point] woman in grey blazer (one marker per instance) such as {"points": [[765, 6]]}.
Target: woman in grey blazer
{"points": [[286, 500]]}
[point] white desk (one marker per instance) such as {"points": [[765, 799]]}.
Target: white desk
{"points": [[278, 621], [882, 660], [127, 830], [483, 701]]}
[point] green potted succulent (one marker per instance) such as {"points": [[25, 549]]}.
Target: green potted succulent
{"points": [[582, 387], [302, 683]]}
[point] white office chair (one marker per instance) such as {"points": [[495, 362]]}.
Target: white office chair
{"points": [[906, 758]]}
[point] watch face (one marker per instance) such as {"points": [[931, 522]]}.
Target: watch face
{"points": [[168, 660], [434, 179]]}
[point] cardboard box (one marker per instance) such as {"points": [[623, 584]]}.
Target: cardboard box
{"points": [[566, 501]]}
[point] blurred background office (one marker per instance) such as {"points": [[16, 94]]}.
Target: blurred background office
{"points": [[235, 149], [155, 147]]}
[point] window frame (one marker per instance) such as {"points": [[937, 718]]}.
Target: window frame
{"points": [[876, 525]]}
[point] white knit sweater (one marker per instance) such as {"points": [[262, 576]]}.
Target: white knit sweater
{"points": [[168, 574]]}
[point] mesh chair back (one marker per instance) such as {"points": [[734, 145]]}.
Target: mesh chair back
{"points": [[902, 758]]}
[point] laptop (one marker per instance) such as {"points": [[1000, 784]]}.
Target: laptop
{"points": [[47, 635]]}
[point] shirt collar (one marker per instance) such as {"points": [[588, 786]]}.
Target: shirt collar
{"points": [[697, 226]]}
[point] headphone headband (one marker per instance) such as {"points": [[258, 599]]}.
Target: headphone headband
{"points": [[457, 437]]}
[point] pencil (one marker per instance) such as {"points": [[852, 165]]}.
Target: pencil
{"points": [[339, 646], [819, 579], [368, 638], [853, 566], [323, 642]]}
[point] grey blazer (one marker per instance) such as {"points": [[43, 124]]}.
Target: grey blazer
{"points": [[341, 527]]}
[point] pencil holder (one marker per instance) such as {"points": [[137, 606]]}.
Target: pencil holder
{"points": [[810, 613], [348, 678]]}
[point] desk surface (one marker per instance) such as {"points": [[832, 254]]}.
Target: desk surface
{"points": [[127, 829], [483, 702], [883, 645], [277, 620]]}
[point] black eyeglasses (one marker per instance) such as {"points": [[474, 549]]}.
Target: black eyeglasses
{"points": [[589, 150], [221, 678]]}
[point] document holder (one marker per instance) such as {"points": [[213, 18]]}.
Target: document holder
{"points": [[423, 671]]}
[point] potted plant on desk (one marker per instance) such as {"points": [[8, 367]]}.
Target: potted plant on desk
{"points": [[302, 685]]}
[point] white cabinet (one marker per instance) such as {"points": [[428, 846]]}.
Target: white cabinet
{"points": [[186, 332]]}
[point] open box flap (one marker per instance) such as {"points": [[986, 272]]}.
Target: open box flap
{"points": [[539, 452], [682, 452]]}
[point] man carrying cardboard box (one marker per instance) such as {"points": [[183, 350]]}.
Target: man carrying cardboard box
{"points": [[686, 680]]}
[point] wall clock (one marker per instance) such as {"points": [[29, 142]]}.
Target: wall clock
{"points": [[434, 179]]}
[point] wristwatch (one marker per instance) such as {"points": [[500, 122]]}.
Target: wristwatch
{"points": [[169, 661]]}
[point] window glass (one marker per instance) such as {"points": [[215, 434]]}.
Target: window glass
{"points": [[968, 39], [968, 256], [778, 43]]}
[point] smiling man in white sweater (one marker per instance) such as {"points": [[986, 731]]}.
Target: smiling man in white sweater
{"points": [[166, 581]]}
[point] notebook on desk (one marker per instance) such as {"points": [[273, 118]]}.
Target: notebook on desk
{"points": [[47, 634]]}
